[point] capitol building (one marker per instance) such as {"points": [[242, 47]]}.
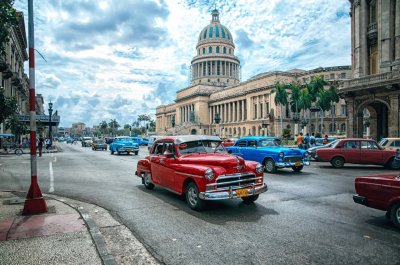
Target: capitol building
{"points": [[218, 102]]}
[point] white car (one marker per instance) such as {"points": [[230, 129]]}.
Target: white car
{"points": [[87, 141]]}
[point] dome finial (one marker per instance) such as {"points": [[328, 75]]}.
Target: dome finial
{"points": [[215, 14]]}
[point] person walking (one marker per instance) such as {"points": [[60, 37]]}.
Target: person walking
{"points": [[306, 141], [40, 145], [312, 140], [300, 140]]}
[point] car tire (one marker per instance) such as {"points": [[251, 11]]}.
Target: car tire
{"points": [[192, 197], [393, 164], [136, 153], [269, 166], [18, 151], [297, 168], [147, 181], [337, 162], [250, 199], [111, 151], [395, 214]]}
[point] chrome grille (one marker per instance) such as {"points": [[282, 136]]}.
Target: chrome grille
{"points": [[293, 159], [234, 181]]}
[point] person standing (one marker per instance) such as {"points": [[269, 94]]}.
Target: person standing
{"points": [[306, 141], [326, 140], [40, 145], [312, 140], [300, 140]]}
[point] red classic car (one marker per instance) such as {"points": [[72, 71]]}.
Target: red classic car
{"points": [[380, 192], [357, 151], [229, 142], [200, 168]]}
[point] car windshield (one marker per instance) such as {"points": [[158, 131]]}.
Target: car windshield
{"points": [[270, 142], [201, 146], [333, 144], [383, 142]]}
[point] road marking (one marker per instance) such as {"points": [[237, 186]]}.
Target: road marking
{"points": [[51, 177]]}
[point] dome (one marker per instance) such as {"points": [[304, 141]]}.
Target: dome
{"points": [[215, 30]]}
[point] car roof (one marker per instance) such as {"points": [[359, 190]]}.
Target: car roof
{"points": [[189, 138], [256, 138]]}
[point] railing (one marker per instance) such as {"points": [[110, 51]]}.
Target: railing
{"points": [[370, 79], [372, 27]]}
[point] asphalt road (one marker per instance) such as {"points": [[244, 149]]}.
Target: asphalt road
{"points": [[304, 218]]}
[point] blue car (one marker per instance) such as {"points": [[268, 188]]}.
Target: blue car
{"points": [[270, 153], [124, 145], [140, 141]]}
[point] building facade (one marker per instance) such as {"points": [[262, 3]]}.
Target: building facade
{"points": [[218, 103], [373, 93]]}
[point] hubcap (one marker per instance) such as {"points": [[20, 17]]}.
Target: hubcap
{"points": [[398, 215], [192, 196], [146, 179], [269, 165]]}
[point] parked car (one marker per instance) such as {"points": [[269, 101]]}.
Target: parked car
{"points": [[69, 140], [357, 151], [312, 151], [229, 142], [390, 143], [124, 144], [199, 167], [140, 141], [381, 192], [270, 153], [87, 141], [320, 141], [152, 138], [99, 144]]}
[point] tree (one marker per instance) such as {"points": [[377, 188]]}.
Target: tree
{"points": [[324, 103], [16, 127], [8, 19], [304, 101], [280, 99], [114, 125], [103, 126], [333, 94], [8, 106]]}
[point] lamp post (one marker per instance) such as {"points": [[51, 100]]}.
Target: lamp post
{"points": [[50, 113], [217, 120]]}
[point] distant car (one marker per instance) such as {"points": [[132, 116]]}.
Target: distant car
{"points": [[87, 141], [124, 145], [99, 144], [229, 142], [270, 153], [151, 140], [199, 167], [312, 151], [357, 151], [140, 141], [390, 143], [69, 140], [381, 192], [320, 141]]}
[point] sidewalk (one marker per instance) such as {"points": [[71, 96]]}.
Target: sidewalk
{"points": [[71, 232]]}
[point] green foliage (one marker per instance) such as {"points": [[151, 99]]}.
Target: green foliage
{"points": [[8, 18], [286, 133], [17, 128], [8, 106]]}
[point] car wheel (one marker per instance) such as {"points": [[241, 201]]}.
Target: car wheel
{"points": [[250, 199], [111, 151], [128, 153], [18, 152], [192, 197], [337, 162], [395, 214], [147, 181], [297, 169], [136, 153], [393, 164], [118, 152], [269, 166]]}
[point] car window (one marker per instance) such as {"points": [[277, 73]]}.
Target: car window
{"points": [[395, 143], [158, 149], [252, 143], [168, 148], [351, 145], [205, 146], [369, 145], [383, 142], [241, 143]]}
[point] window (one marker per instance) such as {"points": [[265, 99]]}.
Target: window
{"points": [[241, 143], [158, 149], [228, 36], [223, 33], [224, 50], [209, 49], [255, 112], [229, 51], [395, 143], [210, 32], [351, 145], [217, 49], [205, 34], [343, 127], [369, 145], [332, 76], [343, 75], [252, 143], [343, 110], [261, 110], [204, 50], [168, 148], [216, 32]]}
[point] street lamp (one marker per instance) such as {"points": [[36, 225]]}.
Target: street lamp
{"points": [[50, 112], [217, 120]]}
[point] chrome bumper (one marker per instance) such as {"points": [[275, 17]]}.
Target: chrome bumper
{"points": [[230, 194], [291, 164]]}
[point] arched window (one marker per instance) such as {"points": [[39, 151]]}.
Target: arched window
{"points": [[205, 34], [217, 49], [229, 51], [228, 36], [210, 32], [204, 50], [223, 32], [224, 50], [210, 49], [343, 127], [216, 32]]}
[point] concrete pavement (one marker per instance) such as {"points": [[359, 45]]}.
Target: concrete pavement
{"points": [[71, 232]]}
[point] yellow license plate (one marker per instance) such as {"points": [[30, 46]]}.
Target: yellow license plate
{"points": [[297, 164], [242, 193]]}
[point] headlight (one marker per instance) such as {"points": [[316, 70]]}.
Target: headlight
{"points": [[209, 174], [259, 168], [281, 154]]}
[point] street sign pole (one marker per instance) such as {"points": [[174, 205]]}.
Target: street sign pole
{"points": [[34, 202]]}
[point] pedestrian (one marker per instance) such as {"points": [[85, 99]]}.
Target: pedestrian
{"points": [[40, 145], [306, 141], [312, 140], [300, 140], [326, 140]]}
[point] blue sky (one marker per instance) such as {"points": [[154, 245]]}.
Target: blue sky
{"points": [[119, 59]]}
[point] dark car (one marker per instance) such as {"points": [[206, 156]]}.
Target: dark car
{"points": [[312, 151]]}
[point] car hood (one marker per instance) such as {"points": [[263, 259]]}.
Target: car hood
{"points": [[286, 150], [380, 178], [126, 144], [222, 160]]}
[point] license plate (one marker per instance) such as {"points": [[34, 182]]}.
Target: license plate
{"points": [[297, 164], [242, 193], [129, 150]]}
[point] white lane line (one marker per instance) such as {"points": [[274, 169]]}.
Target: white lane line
{"points": [[55, 159], [51, 177]]}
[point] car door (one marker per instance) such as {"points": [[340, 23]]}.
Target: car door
{"points": [[351, 151], [248, 152], [155, 164], [237, 149], [370, 153], [166, 166]]}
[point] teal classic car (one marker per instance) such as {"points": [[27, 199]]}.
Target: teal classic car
{"points": [[124, 145], [270, 153]]}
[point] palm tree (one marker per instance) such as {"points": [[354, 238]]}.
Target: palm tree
{"points": [[114, 125], [280, 99], [103, 126], [305, 101], [333, 94], [324, 103]]}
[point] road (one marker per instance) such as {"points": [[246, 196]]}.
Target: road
{"points": [[304, 218]]}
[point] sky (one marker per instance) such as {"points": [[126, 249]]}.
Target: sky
{"points": [[105, 59]]}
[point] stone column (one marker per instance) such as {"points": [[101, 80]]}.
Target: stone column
{"points": [[351, 117], [243, 116], [394, 120], [359, 35], [385, 51], [397, 34]]}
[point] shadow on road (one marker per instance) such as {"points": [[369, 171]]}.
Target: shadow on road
{"points": [[215, 212]]}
